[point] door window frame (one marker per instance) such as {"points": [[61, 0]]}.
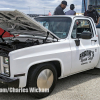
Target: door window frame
{"points": [[90, 25], [77, 18]]}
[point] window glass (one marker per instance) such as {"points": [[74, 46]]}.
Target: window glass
{"points": [[59, 26], [81, 26]]}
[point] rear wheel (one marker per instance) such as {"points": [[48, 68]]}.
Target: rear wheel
{"points": [[44, 77]]}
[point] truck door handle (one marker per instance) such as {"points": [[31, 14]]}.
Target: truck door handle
{"points": [[94, 40]]}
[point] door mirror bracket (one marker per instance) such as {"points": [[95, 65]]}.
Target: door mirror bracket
{"points": [[77, 42]]}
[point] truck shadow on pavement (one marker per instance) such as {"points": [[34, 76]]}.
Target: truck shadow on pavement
{"points": [[63, 84]]}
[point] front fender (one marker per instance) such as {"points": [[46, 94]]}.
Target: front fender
{"points": [[21, 60]]}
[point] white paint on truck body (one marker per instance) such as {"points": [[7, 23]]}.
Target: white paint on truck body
{"points": [[21, 60], [65, 51]]}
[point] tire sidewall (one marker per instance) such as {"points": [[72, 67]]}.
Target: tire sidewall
{"points": [[35, 74]]}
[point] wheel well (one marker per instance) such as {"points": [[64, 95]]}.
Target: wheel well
{"points": [[58, 67], [55, 63]]}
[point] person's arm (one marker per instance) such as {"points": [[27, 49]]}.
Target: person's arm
{"points": [[97, 18], [98, 21], [61, 12]]}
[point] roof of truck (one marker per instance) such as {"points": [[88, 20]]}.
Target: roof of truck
{"points": [[72, 16]]}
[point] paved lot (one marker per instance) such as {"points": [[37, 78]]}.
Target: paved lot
{"points": [[83, 86]]}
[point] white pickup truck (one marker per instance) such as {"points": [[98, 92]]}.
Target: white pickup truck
{"points": [[37, 55]]}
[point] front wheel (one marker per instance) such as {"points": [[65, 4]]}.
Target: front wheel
{"points": [[44, 78]]}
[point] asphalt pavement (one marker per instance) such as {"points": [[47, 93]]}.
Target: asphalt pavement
{"points": [[82, 86]]}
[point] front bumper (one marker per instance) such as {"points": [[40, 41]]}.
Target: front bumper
{"points": [[9, 81]]}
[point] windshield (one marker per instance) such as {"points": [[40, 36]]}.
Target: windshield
{"points": [[59, 26]]}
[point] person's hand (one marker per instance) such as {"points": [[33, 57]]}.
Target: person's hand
{"points": [[97, 23]]}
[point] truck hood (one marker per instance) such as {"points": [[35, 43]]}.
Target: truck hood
{"points": [[18, 23]]}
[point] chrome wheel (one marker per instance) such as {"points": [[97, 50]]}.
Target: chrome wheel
{"points": [[45, 79]]}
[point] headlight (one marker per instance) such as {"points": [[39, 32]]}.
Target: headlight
{"points": [[5, 60], [6, 70], [6, 65]]}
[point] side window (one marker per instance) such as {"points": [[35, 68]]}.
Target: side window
{"points": [[81, 26]]}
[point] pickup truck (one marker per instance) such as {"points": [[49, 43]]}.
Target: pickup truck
{"points": [[45, 49]]}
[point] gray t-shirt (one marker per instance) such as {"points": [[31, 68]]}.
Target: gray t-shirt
{"points": [[70, 12], [59, 11]]}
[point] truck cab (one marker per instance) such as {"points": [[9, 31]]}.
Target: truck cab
{"points": [[84, 50]]}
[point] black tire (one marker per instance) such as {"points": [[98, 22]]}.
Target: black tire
{"points": [[33, 75]]}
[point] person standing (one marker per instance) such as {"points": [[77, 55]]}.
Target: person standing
{"points": [[49, 14], [60, 8], [91, 12], [71, 11]]}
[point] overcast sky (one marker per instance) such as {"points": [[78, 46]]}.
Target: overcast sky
{"points": [[37, 6]]}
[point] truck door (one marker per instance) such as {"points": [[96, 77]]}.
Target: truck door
{"points": [[85, 56]]}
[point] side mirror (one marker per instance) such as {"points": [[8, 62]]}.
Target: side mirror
{"points": [[86, 35]]}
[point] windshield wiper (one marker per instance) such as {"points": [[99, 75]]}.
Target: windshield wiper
{"points": [[46, 37], [48, 33]]}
